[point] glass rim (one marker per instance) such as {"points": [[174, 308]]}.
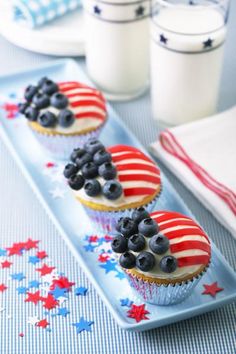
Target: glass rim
{"points": [[166, 3]]}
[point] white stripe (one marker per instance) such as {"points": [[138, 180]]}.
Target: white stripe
{"points": [[144, 172], [79, 98], [88, 109], [189, 238], [138, 184], [129, 161], [175, 219], [190, 253], [180, 227]]}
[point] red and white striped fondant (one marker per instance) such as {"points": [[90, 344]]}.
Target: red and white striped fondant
{"points": [[138, 174], [188, 242], [85, 101]]}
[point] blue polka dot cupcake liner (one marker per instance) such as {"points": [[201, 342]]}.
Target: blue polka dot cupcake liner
{"points": [[163, 294], [61, 146], [105, 221]]}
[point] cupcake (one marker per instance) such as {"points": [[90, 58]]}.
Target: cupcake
{"points": [[111, 182], [163, 255], [63, 115]]}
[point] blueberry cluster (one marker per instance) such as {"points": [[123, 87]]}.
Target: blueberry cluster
{"points": [[133, 235], [88, 163], [42, 96]]}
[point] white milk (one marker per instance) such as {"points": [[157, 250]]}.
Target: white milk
{"points": [[185, 76], [117, 47]]}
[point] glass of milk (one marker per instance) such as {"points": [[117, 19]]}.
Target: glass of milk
{"points": [[117, 46], [187, 44]]}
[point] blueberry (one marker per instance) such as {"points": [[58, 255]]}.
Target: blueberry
{"points": [[49, 87], [107, 170], [89, 170], [47, 120], [59, 100], [93, 145], [22, 107], [42, 81], [30, 91], [31, 113], [127, 227], [76, 182], [127, 260], [145, 261], [92, 187], [41, 101], [168, 264], [112, 189], [148, 227], [119, 244], [82, 158], [70, 170], [139, 214], [77, 153], [159, 244], [101, 156], [66, 118], [136, 243]]}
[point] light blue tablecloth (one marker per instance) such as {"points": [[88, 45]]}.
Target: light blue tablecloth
{"points": [[21, 215]]}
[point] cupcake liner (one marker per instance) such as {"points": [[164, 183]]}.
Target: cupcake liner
{"points": [[61, 146], [163, 294], [105, 221]]}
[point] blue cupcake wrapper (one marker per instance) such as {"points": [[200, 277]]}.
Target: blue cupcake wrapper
{"points": [[163, 294], [105, 221], [61, 146]]}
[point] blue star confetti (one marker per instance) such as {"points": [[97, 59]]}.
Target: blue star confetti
{"points": [[34, 259], [120, 275], [83, 325], [62, 311], [89, 248], [34, 284], [126, 302], [22, 290], [59, 292], [3, 252], [81, 291], [109, 266], [18, 276]]}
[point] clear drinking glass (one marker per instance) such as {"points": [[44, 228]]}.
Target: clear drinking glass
{"points": [[187, 45], [117, 46]]}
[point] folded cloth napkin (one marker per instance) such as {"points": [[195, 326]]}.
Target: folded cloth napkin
{"points": [[202, 155], [33, 13]]}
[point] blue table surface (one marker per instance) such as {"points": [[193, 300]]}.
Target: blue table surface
{"points": [[21, 215]]}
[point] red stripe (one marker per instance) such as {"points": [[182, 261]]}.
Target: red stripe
{"points": [[176, 223], [189, 245], [90, 115], [84, 103], [136, 166], [131, 155], [167, 215], [65, 87], [141, 177], [184, 232], [128, 192], [121, 148], [194, 260]]}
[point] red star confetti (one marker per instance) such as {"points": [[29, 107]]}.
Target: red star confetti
{"points": [[43, 323], [33, 297], [6, 264], [50, 302], [11, 109], [138, 313], [108, 238], [44, 270], [62, 283], [103, 258], [93, 239], [3, 287], [31, 244], [41, 254], [15, 249], [50, 164], [211, 289]]}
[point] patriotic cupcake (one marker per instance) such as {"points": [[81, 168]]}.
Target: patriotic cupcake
{"points": [[164, 254], [63, 115], [111, 182]]}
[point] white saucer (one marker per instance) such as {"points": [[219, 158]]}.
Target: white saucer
{"points": [[62, 37]]}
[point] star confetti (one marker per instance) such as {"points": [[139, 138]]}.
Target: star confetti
{"points": [[43, 323], [212, 289], [50, 164], [34, 284], [18, 276], [50, 302], [6, 264], [103, 258], [109, 266], [81, 291], [58, 292], [34, 297], [126, 302], [29, 244], [34, 259], [83, 325], [44, 270], [62, 311], [41, 254], [57, 193], [138, 313], [62, 282], [22, 290], [3, 252], [3, 287]]}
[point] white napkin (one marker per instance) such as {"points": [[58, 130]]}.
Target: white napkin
{"points": [[202, 155]]}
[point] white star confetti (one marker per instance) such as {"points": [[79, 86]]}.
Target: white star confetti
{"points": [[57, 193]]}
